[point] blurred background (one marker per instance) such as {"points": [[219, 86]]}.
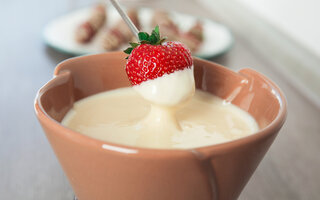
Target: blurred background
{"points": [[279, 38]]}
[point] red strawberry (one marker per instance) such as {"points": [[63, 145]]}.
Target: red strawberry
{"points": [[150, 59]]}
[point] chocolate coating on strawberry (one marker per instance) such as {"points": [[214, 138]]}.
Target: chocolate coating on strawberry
{"points": [[151, 59]]}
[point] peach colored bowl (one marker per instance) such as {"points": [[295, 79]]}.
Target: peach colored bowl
{"points": [[100, 170]]}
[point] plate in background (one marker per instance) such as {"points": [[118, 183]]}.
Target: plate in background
{"points": [[59, 33]]}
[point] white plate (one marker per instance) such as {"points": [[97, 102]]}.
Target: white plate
{"points": [[59, 33]]}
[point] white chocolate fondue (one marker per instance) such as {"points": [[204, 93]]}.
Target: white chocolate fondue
{"points": [[122, 116]]}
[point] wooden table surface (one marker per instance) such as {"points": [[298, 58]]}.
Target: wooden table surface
{"points": [[29, 169]]}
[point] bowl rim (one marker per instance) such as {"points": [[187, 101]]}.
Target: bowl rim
{"points": [[205, 151]]}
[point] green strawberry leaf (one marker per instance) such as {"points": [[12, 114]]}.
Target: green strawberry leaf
{"points": [[143, 36], [134, 45], [156, 29], [128, 50], [153, 39], [156, 33]]}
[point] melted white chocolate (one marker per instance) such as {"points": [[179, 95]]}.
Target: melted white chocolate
{"points": [[122, 116], [169, 89]]}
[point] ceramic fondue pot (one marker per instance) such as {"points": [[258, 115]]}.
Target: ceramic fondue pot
{"points": [[99, 170]]}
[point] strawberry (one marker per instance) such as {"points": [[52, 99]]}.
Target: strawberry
{"points": [[151, 58]]}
